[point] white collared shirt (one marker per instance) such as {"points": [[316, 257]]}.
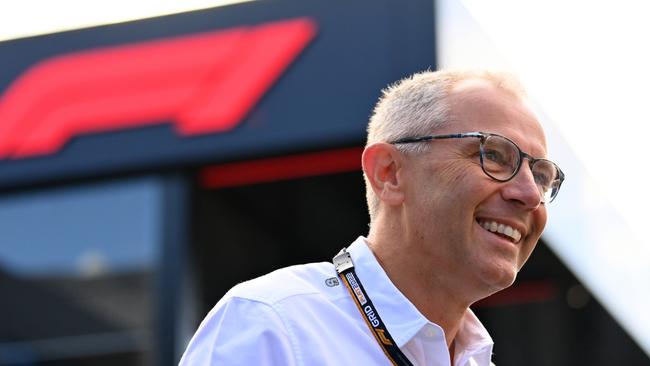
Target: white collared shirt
{"points": [[302, 315]]}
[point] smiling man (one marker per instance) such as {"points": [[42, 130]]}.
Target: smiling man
{"points": [[457, 186]]}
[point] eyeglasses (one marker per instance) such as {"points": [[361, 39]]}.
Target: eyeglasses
{"points": [[501, 160]]}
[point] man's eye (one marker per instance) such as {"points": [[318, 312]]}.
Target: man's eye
{"points": [[494, 156], [543, 179]]}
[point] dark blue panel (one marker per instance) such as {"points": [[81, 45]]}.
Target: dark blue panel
{"points": [[323, 100]]}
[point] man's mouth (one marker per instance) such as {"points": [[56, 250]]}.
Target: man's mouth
{"points": [[504, 230]]}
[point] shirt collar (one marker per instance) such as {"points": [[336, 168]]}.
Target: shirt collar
{"points": [[401, 317], [473, 339]]}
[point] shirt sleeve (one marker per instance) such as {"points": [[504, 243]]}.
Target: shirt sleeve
{"points": [[240, 332]]}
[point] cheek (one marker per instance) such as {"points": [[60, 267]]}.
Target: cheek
{"points": [[456, 171], [539, 220], [525, 253], [445, 193], [455, 178]]}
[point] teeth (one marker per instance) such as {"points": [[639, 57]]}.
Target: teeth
{"points": [[506, 230]]}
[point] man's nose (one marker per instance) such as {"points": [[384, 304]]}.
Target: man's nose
{"points": [[523, 189]]}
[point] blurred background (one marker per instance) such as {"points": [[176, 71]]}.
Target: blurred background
{"points": [[153, 154]]}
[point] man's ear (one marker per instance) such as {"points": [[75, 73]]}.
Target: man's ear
{"points": [[382, 164]]}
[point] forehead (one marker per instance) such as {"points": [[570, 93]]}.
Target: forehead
{"points": [[478, 105]]}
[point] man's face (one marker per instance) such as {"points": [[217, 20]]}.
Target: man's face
{"points": [[450, 200]]}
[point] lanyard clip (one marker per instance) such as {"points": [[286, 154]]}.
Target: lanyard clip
{"points": [[342, 261]]}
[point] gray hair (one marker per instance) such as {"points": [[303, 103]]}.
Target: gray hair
{"points": [[417, 106]]}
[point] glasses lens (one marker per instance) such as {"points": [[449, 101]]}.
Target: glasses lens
{"points": [[546, 175], [500, 157]]}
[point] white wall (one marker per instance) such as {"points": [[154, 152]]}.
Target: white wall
{"points": [[585, 65]]}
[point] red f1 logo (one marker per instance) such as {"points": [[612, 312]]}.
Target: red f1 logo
{"points": [[205, 83]]}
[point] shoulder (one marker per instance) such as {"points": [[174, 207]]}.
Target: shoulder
{"points": [[256, 322], [289, 282], [241, 332]]}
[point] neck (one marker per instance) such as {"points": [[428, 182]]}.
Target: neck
{"points": [[433, 294]]}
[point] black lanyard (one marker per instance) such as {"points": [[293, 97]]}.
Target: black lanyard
{"points": [[345, 268]]}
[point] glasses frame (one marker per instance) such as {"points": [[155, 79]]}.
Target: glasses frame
{"points": [[483, 136]]}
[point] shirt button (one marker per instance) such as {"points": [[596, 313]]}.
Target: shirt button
{"points": [[429, 332]]}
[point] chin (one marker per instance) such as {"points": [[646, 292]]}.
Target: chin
{"points": [[498, 278]]}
